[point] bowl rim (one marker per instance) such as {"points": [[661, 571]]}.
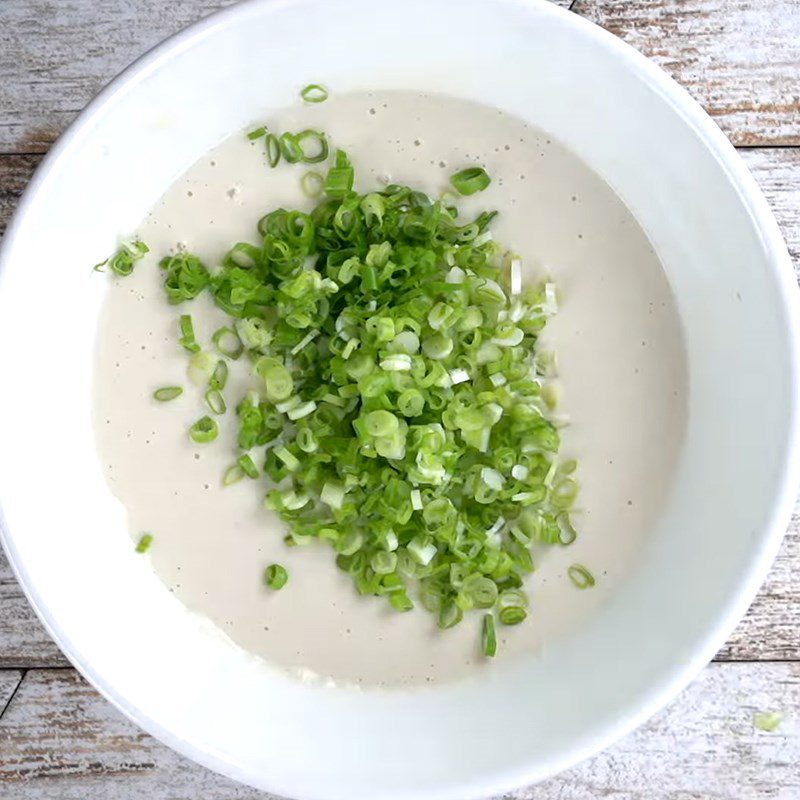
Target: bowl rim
{"points": [[780, 269]]}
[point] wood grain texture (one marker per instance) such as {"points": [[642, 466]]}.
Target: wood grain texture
{"points": [[56, 55], [59, 740], [739, 58], [741, 63], [9, 681], [15, 172], [23, 640]]}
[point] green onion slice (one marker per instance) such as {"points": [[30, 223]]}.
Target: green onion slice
{"points": [[581, 576], [312, 184], [313, 146], [314, 93], [204, 430], [276, 576], [273, 147], [488, 636], [227, 342], [219, 377], [145, 540], [124, 260], [215, 401], [400, 409], [471, 180], [187, 340]]}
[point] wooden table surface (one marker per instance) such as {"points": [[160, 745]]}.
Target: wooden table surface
{"points": [[60, 740]]}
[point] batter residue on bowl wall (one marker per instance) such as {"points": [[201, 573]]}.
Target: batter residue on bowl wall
{"points": [[622, 369]]}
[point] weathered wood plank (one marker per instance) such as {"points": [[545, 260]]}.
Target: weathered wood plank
{"points": [[739, 58], [23, 640], [777, 171], [770, 631], [9, 681], [60, 739], [15, 172], [55, 56]]}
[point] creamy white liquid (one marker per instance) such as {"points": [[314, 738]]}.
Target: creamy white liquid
{"points": [[622, 369]]}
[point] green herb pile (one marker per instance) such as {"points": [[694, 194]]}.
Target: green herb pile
{"points": [[403, 413]]}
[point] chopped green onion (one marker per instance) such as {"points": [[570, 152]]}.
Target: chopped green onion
{"points": [[167, 393], [312, 184], [227, 342], [332, 494], [276, 576], [402, 409], [470, 180], [488, 636], [318, 144], [257, 133], [219, 377], [145, 540], [124, 260], [201, 367], [215, 401], [450, 615], [247, 465], [290, 148], [187, 340], [767, 721], [290, 460], [204, 430], [232, 475], [273, 147], [314, 93], [339, 180], [580, 576], [278, 382], [512, 615]]}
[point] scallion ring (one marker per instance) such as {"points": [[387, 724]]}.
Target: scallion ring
{"points": [[227, 343], [276, 576], [471, 180], [580, 576], [167, 393], [204, 430], [187, 340], [312, 184], [273, 148], [314, 93], [318, 143]]}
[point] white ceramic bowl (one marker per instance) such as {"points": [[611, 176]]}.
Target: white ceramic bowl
{"points": [[736, 482]]}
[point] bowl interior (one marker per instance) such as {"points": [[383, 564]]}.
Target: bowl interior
{"points": [[176, 675]]}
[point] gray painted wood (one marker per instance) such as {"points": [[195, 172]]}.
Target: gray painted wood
{"points": [[739, 58], [59, 740]]}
